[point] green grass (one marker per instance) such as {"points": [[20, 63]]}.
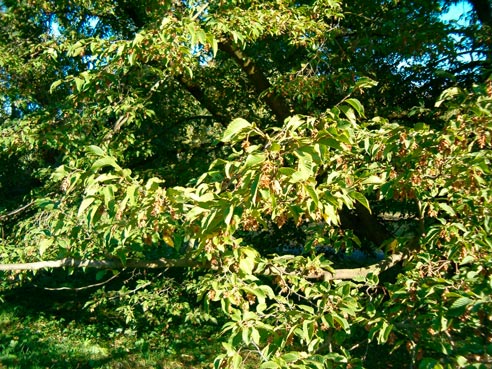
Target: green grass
{"points": [[45, 330]]}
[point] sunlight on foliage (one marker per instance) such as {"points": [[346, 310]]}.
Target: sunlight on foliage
{"points": [[305, 184]]}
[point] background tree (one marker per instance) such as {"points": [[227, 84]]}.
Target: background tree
{"points": [[216, 135]]}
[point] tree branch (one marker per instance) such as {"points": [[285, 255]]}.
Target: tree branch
{"points": [[276, 103], [103, 264], [80, 288], [162, 263], [483, 9], [364, 224], [196, 91], [349, 273], [16, 211], [376, 269]]}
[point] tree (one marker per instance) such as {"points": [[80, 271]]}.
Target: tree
{"points": [[230, 138]]}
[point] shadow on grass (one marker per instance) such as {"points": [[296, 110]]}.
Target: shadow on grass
{"points": [[51, 329], [41, 329]]}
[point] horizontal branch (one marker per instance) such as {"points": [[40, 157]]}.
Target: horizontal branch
{"points": [[103, 264], [348, 273], [354, 273], [162, 263]]}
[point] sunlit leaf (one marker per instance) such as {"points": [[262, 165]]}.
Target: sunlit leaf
{"points": [[235, 129]]}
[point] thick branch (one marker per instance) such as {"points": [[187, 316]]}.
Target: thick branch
{"points": [[276, 103], [104, 264], [376, 269], [483, 8], [364, 224], [183, 263], [349, 273], [197, 92]]}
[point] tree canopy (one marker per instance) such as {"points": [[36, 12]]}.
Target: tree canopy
{"points": [[317, 171]]}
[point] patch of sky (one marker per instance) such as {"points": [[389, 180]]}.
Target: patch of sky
{"points": [[55, 30], [458, 13], [457, 16]]}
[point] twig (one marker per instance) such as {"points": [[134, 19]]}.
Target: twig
{"points": [[200, 11], [79, 288], [16, 211]]}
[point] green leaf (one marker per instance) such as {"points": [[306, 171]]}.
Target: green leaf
{"points": [[306, 308], [269, 365], [46, 204], [85, 204], [384, 332], [138, 39], [311, 190], [461, 361], [132, 194], [79, 83], [108, 193], [44, 244], [257, 292], [421, 126], [290, 357], [461, 303], [299, 176], [307, 330], [215, 46], [286, 171], [255, 336], [330, 142], [254, 188], [96, 150], [246, 265], [153, 184], [447, 94], [361, 199], [293, 123], [235, 128], [365, 82], [342, 321], [356, 105], [94, 215], [254, 159], [349, 113], [54, 85], [373, 180], [105, 162], [230, 213], [306, 164], [236, 362], [448, 209]]}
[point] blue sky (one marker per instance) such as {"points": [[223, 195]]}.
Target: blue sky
{"points": [[458, 12]]}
